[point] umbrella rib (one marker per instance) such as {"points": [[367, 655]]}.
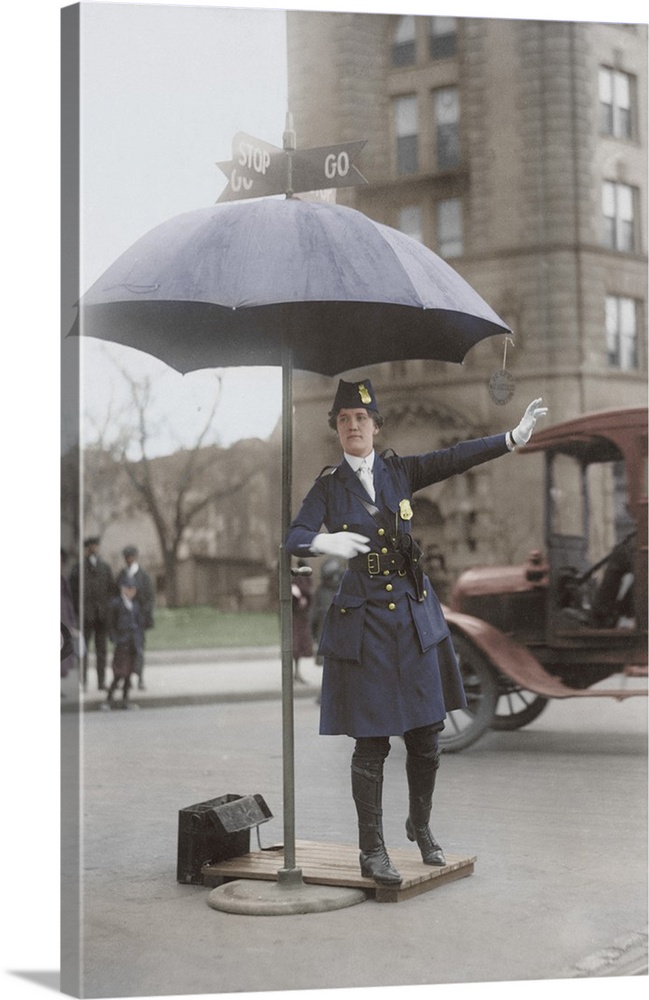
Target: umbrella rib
{"points": [[382, 232]]}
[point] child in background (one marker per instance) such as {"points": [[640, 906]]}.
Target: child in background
{"points": [[126, 633]]}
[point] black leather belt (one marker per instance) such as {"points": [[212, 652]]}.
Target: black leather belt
{"points": [[378, 563]]}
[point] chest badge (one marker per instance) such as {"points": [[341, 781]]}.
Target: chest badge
{"points": [[405, 510]]}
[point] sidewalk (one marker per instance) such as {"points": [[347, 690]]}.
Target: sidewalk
{"points": [[199, 676]]}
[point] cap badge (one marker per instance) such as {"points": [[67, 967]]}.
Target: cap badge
{"points": [[363, 393], [405, 510]]}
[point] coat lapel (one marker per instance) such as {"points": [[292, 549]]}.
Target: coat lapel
{"points": [[384, 486], [351, 482]]}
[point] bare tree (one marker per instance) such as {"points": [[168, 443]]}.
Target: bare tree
{"points": [[172, 493]]}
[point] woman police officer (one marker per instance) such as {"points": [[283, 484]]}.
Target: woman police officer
{"points": [[389, 664]]}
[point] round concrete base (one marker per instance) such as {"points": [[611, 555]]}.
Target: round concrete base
{"points": [[258, 897]]}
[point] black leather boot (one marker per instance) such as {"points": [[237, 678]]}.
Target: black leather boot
{"points": [[367, 789], [421, 775]]}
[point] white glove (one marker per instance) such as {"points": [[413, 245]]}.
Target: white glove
{"points": [[345, 544], [522, 433]]}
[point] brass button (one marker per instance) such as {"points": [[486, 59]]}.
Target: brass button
{"points": [[384, 552], [381, 531], [388, 586], [391, 607], [386, 572], [425, 593], [345, 527], [343, 611]]}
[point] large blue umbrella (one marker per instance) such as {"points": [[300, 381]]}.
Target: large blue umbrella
{"points": [[224, 285], [288, 282]]}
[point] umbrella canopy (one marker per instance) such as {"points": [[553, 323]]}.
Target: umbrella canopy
{"points": [[227, 285]]}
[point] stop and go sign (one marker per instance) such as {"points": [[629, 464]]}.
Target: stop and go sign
{"points": [[258, 168]]}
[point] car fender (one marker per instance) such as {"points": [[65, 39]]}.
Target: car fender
{"points": [[506, 655]]}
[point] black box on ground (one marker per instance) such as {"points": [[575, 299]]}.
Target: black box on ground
{"points": [[216, 830]]}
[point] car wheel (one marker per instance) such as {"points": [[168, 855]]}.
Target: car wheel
{"points": [[466, 725], [516, 708]]}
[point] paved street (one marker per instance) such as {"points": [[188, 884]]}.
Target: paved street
{"points": [[556, 814]]}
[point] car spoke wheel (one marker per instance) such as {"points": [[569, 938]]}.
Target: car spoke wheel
{"points": [[517, 708], [466, 725]]}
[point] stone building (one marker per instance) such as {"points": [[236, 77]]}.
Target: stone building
{"points": [[516, 150]]}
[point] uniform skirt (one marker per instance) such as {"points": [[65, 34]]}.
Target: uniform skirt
{"points": [[391, 683]]}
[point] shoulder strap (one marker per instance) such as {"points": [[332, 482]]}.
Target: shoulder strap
{"points": [[371, 508]]}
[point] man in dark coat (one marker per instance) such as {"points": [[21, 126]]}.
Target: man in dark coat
{"points": [[389, 664], [330, 576], [133, 572], [302, 601], [69, 624], [93, 587]]}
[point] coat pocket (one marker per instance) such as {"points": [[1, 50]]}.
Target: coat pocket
{"points": [[342, 635], [430, 623]]}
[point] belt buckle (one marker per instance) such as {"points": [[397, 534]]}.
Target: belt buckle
{"points": [[373, 563]]}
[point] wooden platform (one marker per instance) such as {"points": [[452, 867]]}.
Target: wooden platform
{"points": [[337, 864]]}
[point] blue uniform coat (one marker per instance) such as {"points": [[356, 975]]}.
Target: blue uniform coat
{"points": [[389, 664]]}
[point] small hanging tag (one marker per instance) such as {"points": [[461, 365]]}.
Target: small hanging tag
{"points": [[502, 385]]}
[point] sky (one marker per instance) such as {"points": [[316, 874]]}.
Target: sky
{"points": [[151, 159], [164, 89]]}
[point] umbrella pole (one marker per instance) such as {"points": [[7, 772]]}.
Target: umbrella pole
{"points": [[290, 893], [289, 873]]}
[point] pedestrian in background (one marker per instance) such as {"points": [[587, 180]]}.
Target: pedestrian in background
{"points": [[127, 636], [132, 570], [302, 600], [93, 588], [69, 624], [330, 576], [389, 664]]}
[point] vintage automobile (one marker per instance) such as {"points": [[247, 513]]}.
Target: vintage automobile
{"points": [[572, 621]]}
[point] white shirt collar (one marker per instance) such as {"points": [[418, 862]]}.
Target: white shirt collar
{"points": [[356, 462], [132, 569]]}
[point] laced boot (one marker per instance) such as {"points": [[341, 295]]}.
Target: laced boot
{"points": [[367, 788], [421, 775]]}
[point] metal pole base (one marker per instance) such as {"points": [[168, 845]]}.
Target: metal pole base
{"points": [[265, 898]]}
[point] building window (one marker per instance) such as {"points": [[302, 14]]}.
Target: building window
{"points": [[411, 222], [446, 106], [621, 332], [442, 37], [403, 41], [615, 100], [406, 128], [618, 209], [448, 227]]}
